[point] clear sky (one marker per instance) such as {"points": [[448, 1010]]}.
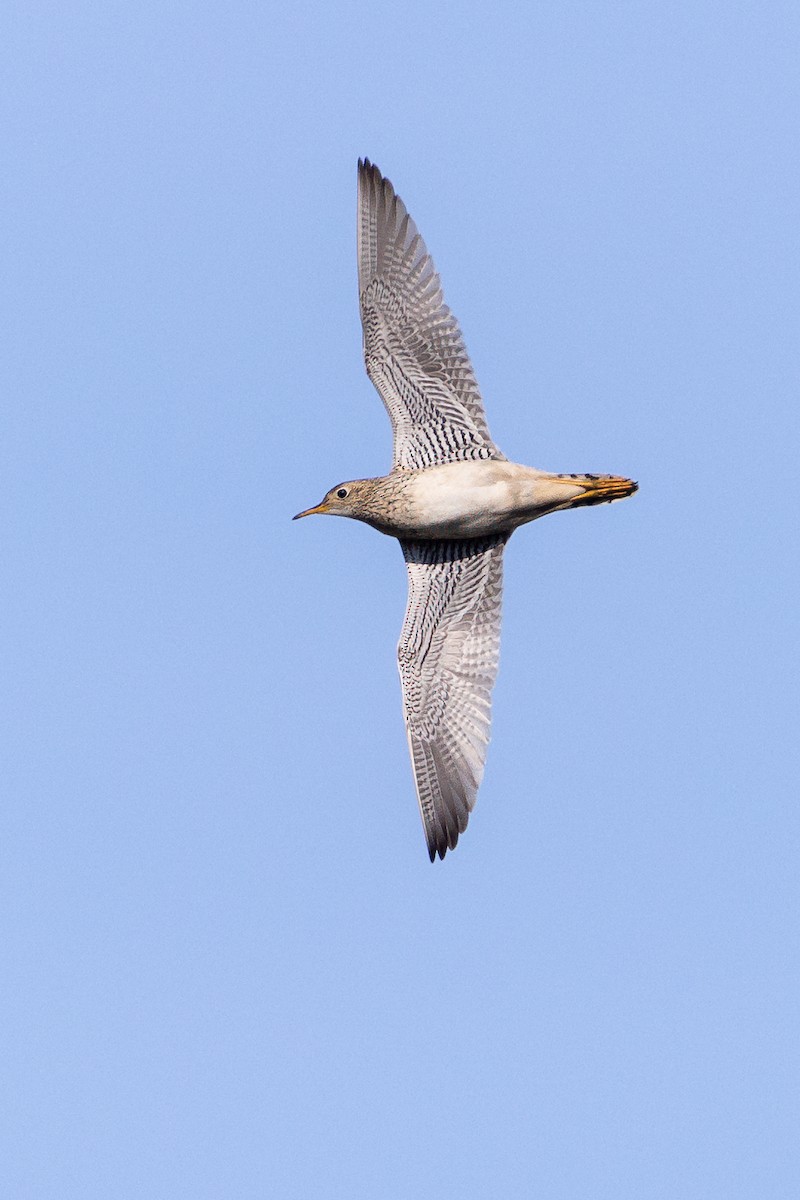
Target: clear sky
{"points": [[228, 968]]}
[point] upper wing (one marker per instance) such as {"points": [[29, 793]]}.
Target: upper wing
{"points": [[448, 655], [413, 348]]}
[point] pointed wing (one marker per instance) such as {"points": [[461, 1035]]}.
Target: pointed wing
{"points": [[448, 656], [413, 349]]}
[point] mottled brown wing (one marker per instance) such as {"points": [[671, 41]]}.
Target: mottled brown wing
{"points": [[448, 656], [413, 348]]}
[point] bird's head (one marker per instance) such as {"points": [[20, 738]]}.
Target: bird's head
{"points": [[345, 500]]}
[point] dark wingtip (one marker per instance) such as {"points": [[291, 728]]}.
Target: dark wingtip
{"points": [[436, 846], [441, 848]]}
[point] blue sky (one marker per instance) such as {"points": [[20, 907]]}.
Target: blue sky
{"points": [[228, 967]]}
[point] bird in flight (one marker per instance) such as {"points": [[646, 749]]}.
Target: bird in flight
{"points": [[452, 500]]}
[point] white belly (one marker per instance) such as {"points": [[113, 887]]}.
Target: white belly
{"points": [[471, 499]]}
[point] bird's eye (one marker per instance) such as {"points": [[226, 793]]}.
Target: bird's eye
{"points": [[342, 492]]}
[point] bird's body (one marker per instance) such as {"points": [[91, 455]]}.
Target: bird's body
{"points": [[452, 500], [467, 499]]}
